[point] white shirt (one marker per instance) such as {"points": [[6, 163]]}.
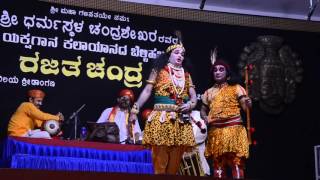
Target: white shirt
{"points": [[120, 120]]}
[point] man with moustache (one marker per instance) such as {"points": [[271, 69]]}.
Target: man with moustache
{"points": [[120, 115]]}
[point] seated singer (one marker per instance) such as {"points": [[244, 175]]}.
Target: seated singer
{"points": [[28, 117], [120, 115]]}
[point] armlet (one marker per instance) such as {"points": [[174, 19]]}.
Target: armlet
{"points": [[242, 96]]}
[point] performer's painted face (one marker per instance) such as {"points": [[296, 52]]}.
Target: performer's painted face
{"points": [[219, 73], [37, 101], [124, 102], [177, 56]]}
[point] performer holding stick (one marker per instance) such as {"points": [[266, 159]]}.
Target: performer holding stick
{"points": [[227, 137]]}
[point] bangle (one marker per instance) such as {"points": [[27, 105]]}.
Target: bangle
{"points": [[150, 82], [242, 96], [135, 108]]}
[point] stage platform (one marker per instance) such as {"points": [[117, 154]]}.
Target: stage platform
{"points": [[10, 174], [28, 158], [63, 155]]}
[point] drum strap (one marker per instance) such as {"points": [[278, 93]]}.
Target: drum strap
{"points": [[198, 123], [198, 144]]}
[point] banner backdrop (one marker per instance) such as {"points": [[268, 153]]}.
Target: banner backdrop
{"points": [[85, 56], [77, 56]]}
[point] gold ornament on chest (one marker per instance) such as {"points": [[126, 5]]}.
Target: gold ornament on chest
{"points": [[177, 77]]}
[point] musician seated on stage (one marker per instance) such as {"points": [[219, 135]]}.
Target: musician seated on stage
{"points": [[28, 118], [130, 132]]}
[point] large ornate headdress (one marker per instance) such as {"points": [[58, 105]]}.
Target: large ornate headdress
{"points": [[178, 45]]}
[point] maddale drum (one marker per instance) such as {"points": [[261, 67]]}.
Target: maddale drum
{"points": [[194, 163], [52, 127]]}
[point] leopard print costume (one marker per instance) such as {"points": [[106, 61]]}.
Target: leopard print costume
{"points": [[160, 129]]}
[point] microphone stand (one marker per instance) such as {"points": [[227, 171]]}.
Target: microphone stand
{"points": [[75, 117], [202, 4]]}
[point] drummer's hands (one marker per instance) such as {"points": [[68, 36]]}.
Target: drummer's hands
{"points": [[61, 117]]}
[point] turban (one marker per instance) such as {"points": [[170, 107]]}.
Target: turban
{"points": [[127, 92], [36, 93]]}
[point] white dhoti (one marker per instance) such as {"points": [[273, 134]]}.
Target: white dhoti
{"points": [[37, 133]]}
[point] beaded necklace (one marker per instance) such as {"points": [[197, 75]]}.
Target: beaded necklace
{"points": [[177, 78]]}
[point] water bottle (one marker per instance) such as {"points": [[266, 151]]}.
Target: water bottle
{"points": [[83, 133]]}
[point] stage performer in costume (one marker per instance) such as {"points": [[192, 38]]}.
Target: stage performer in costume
{"points": [[120, 115], [168, 131], [227, 137], [28, 118]]}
